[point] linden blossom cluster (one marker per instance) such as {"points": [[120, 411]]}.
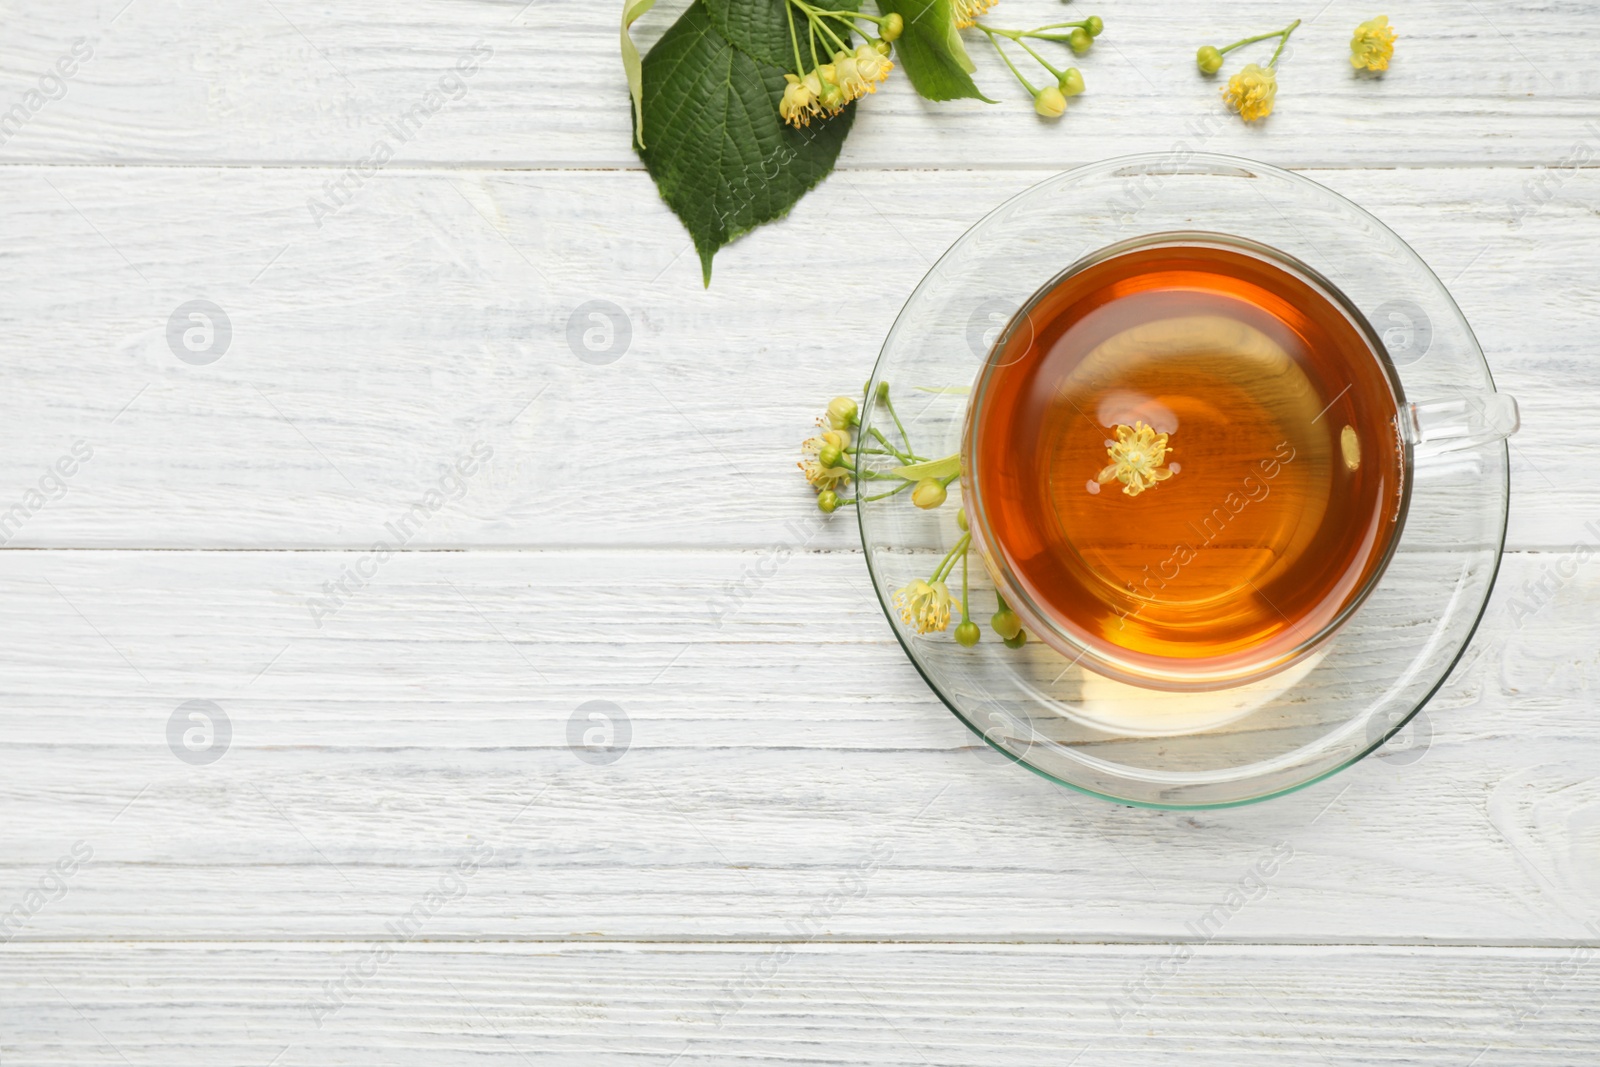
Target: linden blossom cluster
{"points": [[825, 88], [1253, 91], [829, 464]]}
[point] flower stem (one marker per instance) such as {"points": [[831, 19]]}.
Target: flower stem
{"points": [[904, 457], [949, 560], [1273, 62], [992, 34], [1045, 63], [814, 17], [902, 487], [905, 438], [799, 67], [842, 16], [1084, 25], [965, 615], [1282, 35], [825, 28]]}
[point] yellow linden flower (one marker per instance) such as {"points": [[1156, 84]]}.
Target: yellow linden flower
{"points": [[1373, 45], [1137, 456], [799, 104], [1251, 92], [923, 606], [872, 67], [967, 11], [824, 477], [848, 77], [839, 439]]}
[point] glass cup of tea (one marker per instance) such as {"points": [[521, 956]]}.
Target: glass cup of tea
{"points": [[1188, 459], [1228, 449]]}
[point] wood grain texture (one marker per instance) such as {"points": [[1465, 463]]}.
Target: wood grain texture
{"points": [[796, 1002], [772, 750], [800, 856], [297, 82], [433, 315]]}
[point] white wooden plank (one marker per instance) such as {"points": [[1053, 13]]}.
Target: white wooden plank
{"points": [[300, 82], [433, 316], [769, 755], [796, 1002]]}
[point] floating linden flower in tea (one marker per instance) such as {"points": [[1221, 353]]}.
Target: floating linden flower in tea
{"points": [[1137, 458]]}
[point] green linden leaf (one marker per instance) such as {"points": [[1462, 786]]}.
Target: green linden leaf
{"points": [[760, 28], [933, 468], [721, 157], [931, 51], [631, 12]]}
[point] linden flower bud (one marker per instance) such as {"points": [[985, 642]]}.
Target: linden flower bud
{"points": [[1251, 92], [961, 519], [1079, 40], [1050, 102], [893, 26], [1006, 623], [1209, 59], [829, 455], [967, 634], [1017, 641], [828, 501], [880, 46], [928, 494], [832, 96], [842, 411], [1071, 83], [1373, 44], [1096, 25]]}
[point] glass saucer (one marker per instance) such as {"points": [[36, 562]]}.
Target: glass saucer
{"points": [[1191, 749]]}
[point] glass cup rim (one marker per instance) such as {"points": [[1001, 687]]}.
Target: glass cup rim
{"points": [[1042, 621]]}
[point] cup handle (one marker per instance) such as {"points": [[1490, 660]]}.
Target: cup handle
{"points": [[1468, 420]]}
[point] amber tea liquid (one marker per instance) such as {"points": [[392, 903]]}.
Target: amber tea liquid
{"points": [[1187, 456]]}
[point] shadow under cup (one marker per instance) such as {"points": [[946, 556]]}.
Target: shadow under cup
{"points": [[1185, 461]]}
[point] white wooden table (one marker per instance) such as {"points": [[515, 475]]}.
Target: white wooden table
{"points": [[798, 857]]}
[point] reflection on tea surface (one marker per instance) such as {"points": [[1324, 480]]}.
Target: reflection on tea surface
{"points": [[1193, 464]]}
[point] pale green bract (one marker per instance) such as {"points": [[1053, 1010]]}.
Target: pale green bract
{"points": [[933, 468], [631, 63]]}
